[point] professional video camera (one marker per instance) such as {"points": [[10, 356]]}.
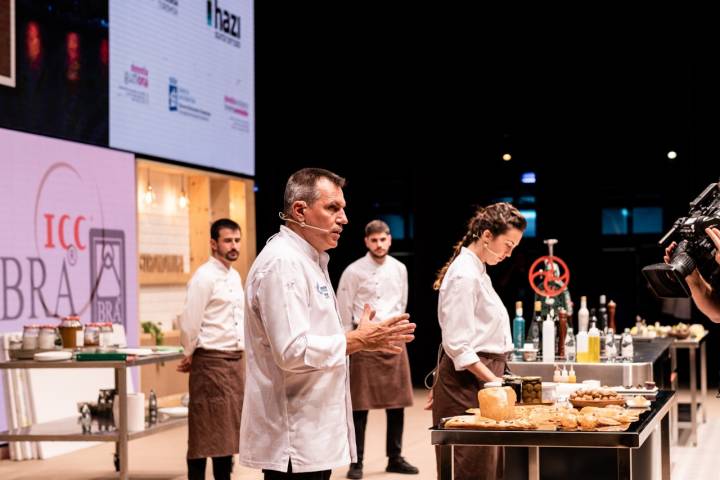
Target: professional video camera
{"points": [[694, 249]]}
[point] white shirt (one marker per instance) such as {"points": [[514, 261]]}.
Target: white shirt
{"points": [[472, 316], [382, 286], [214, 309], [297, 388]]}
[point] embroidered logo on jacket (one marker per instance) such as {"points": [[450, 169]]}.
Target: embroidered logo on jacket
{"points": [[323, 290]]}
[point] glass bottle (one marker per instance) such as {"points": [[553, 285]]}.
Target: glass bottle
{"points": [[627, 350], [533, 335], [570, 345], [518, 327]]}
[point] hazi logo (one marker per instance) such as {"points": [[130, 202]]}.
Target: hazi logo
{"points": [[226, 23]]}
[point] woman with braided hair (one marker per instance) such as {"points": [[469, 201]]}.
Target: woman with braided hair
{"points": [[475, 328]]}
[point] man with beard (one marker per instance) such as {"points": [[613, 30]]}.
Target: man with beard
{"points": [[377, 380], [212, 332]]}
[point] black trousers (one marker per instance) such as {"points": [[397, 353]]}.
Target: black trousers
{"points": [[393, 437], [275, 475], [222, 468]]}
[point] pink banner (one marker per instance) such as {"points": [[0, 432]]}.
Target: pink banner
{"points": [[68, 241]]}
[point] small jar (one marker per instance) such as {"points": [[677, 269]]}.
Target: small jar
{"points": [[514, 382], [71, 332], [30, 337], [47, 337], [15, 342], [532, 389], [106, 334], [92, 335]]}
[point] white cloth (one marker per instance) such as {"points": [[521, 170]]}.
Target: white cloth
{"points": [[297, 389], [471, 314], [214, 309], [382, 286]]}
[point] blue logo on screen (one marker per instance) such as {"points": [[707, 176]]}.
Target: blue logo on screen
{"points": [[172, 95]]}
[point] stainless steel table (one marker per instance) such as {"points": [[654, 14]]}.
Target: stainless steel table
{"points": [[691, 411], [70, 429], [647, 354], [624, 443]]}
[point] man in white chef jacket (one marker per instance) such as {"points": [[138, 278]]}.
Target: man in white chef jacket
{"points": [[297, 413], [377, 380]]}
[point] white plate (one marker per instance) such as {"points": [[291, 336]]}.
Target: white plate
{"points": [[174, 411], [140, 352], [53, 356]]}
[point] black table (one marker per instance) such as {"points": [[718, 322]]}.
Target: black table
{"points": [[624, 447]]}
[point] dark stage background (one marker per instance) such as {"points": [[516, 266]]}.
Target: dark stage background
{"points": [[415, 110]]}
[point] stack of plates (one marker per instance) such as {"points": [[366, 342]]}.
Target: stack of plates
{"points": [[174, 411], [53, 356]]}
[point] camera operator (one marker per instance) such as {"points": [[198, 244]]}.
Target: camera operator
{"points": [[705, 294]]}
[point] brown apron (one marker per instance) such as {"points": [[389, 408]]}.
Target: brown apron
{"points": [[454, 393], [217, 387], [380, 380]]}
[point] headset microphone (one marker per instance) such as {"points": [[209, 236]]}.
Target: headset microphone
{"points": [[285, 218], [497, 255]]}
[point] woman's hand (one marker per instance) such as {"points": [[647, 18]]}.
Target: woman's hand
{"points": [[429, 401]]}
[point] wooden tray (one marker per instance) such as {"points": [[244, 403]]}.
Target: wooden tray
{"points": [[597, 403]]}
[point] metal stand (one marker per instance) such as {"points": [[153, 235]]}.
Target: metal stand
{"points": [[696, 405], [69, 429]]}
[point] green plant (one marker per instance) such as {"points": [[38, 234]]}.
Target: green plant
{"points": [[154, 330]]}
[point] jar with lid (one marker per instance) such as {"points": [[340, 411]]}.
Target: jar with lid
{"points": [[71, 332], [30, 337], [92, 335], [532, 389], [514, 382], [48, 336], [106, 334]]}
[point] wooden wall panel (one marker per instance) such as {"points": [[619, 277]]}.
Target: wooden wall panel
{"points": [[199, 210]]}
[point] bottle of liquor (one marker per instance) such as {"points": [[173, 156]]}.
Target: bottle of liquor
{"points": [[534, 332], [583, 316], [602, 314], [518, 327]]}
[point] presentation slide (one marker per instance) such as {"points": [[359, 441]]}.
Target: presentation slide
{"points": [[182, 81]]}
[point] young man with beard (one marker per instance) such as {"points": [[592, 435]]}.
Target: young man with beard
{"points": [[377, 380], [212, 335]]}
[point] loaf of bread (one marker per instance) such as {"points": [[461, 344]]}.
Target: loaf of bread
{"points": [[497, 403]]}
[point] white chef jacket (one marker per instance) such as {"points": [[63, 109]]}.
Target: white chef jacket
{"points": [[472, 316], [297, 389], [214, 309], [382, 286]]}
